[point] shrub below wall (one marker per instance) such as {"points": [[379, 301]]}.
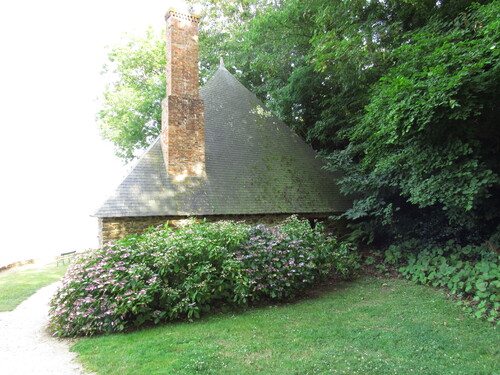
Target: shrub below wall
{"points": [[165, 275]]}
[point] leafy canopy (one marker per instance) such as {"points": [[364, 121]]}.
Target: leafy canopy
{"points": [[130, 116], [428, 136]]}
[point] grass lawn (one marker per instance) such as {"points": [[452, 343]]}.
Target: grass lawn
{"points": [[17, 284], [369, 326]]}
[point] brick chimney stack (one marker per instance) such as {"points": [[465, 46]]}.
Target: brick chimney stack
{"points": [[183, 133]]}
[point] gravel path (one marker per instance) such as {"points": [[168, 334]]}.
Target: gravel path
{"points": [[26, 347]]}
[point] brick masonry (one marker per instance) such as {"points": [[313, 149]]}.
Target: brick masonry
{"points": [[183, 134], [114, 228], [182, 54]]}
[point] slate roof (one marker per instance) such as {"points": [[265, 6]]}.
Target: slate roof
{"points": [[254, 163]]}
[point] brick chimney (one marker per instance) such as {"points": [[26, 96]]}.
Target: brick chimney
{"points": [[183, 133]]}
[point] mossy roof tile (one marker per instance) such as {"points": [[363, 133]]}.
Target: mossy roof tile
{"points": [[254, 163]]}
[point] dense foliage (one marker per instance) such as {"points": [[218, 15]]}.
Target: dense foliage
{"points": [[424, 153], [165, 274]]}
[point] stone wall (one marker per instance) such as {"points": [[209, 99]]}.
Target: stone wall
{"points": [[114, 228]]}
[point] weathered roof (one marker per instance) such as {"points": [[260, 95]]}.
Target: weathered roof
{"points": [[254, 163]]}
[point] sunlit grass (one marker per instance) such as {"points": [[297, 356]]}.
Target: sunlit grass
{"points": [[370, 326], [18, 284]]}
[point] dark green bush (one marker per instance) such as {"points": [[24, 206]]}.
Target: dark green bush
{"points": [[165, 275]]}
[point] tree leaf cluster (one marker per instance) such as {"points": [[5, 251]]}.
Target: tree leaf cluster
{"points": [[130, 114], [429, 136]]}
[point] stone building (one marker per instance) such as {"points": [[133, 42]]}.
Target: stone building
{"points": [[221, 155]]}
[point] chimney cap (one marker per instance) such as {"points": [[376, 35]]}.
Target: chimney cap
{"points": [[172, 12]]}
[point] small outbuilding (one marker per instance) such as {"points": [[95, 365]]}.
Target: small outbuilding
{"points": [[221, 155]]}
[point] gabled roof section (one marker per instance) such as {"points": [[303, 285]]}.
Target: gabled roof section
{"points": [[254, 163]]}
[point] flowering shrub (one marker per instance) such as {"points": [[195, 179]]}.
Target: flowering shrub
{"points": [[165, 275], [279, 261]]}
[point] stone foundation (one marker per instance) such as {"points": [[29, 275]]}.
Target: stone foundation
{"points": [[115, 228]]}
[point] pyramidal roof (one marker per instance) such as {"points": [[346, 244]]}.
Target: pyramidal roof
{"points": [[254, 165]]}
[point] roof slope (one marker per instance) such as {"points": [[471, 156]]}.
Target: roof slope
{"points": [[254, 163]]}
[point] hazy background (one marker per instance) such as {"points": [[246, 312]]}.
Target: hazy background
{"points": [[55, 169]]}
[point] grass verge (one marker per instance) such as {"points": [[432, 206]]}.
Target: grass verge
{"points": [[369, 326], [17, 284]]}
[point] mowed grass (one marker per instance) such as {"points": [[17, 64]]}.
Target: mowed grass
{"points": [[20, 283], [369, 326]]}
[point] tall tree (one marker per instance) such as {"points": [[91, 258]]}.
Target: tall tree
{"points": [[425, 151], [130, 116]]}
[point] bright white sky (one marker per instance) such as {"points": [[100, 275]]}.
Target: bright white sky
{"points": [[54, 168]]}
